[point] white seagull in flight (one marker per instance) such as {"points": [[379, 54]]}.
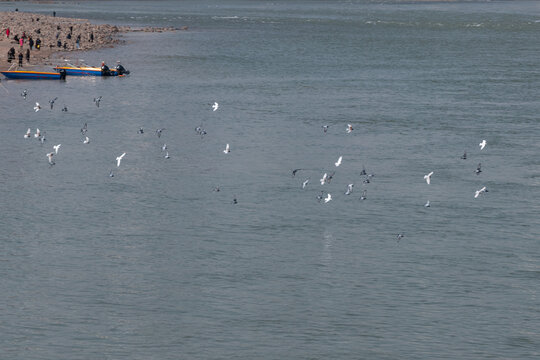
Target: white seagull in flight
{"points": [[327, 198], [227, 149], [119, 159], [50, 156], [428, 177], [27, 135], [37, 134], [323, 180], [37, 107], [349, 128], [482, 144], [478, 192], [56, 147], [338, 162], [215, 106]]}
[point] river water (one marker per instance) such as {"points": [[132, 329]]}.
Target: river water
{"points": [[154, 264]]}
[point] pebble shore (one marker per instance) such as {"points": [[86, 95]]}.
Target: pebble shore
{"points": [[53, 29]]}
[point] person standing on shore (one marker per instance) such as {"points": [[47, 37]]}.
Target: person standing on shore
{"points": [[28, 55], [7, 33], [20, 59], [21, 42], [31, 42], [11, 54], [38, 43], [78, 41], [92, 36]]}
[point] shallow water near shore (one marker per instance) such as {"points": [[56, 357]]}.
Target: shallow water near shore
{"points": [[154, 264]]}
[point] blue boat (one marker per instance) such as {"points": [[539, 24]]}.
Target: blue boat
{"points": [[33, 75], [84, 71]]}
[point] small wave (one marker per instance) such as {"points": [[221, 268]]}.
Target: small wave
{"points": [[224, 17], [475, 25]]}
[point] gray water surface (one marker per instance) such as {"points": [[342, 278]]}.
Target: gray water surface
{"points": [[153, 264]]}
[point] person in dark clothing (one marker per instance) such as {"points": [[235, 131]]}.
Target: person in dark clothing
{"points": [[20, 59], [105, 71], [11, 54], [31, 42], [16, 38], [120, 69], [27, 55], [78, 41], [68, 36], [54, 13], [38, 43], [59, 43], [92, 36]]}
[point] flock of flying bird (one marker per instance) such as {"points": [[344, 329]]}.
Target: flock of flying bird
{"points": [[41, 136], [326, 177]]}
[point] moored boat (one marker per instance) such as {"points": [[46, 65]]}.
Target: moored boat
{"points": [[85, 71], [33, 75]]}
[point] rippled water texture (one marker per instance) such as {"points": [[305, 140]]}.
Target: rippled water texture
{"points": [[154, 264]]}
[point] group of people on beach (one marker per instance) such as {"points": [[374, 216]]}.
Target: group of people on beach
{"points": [[26, 39], [21, 41]]}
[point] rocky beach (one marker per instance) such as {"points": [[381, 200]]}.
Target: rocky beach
{"points": [[55, 34]]}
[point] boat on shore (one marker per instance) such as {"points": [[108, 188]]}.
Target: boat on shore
{"points": [[33, 75]]}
